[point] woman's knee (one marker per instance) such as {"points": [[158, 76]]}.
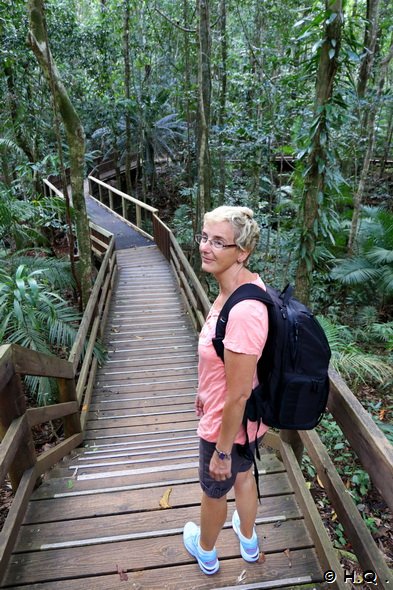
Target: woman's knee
{"points": [[244, 480]]}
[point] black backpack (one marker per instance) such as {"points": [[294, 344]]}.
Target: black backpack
{"points": [[293, 369]]}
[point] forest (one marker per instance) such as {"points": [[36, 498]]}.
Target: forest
{"points": [[282, 107]]}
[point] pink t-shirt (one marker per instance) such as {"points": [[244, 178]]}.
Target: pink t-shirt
{"points": [[246, 333]]}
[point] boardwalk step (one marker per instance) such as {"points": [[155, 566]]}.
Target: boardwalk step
{"points": [[98, 515]]}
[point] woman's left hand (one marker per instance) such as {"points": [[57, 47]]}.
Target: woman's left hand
{"points": [[220, 469]]}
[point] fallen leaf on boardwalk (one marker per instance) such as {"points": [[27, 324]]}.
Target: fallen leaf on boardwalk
{"points": [[241, 576], [288, 554], [115, 330], [320, 483], [262, 557], [164, 502], [139, 337], [122, 574]]}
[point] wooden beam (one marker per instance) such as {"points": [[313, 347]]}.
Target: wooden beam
{"points": [[124, 195], [6, 365], [367, 440], [15, 517], [324, 548], [84, 326], [11, 443], [31, 362], [83, 375], [203, 298], [49, 458], [356, 530], [44, 414]]}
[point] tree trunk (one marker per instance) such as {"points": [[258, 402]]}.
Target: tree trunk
{"points": [[370, 41], [127, 83], [204, 96], [223, 98], [387, 144], [75, 139], [187, 94], [315, 178], [371, 132]]}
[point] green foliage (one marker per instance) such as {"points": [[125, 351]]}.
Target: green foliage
{"points": [[371, 269], [35, 317], [350, 360]]}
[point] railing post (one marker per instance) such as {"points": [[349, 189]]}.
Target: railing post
{"points": [[99, 192], [13, 405], [292, 437], [124, 207], [67, 393], [110, 199], [138, 217]]}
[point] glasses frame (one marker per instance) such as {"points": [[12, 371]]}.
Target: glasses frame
{"points": [[201, 239]]}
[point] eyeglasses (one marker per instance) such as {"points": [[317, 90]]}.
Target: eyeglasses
{"points": [[216, 244]]}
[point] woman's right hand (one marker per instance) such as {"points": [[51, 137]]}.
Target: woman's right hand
{"points": [[198, 406]]}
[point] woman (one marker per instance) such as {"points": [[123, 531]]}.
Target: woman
{"points": [[229, 236]]}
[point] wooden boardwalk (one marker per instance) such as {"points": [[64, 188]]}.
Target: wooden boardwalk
{"points": [[96, 522]]}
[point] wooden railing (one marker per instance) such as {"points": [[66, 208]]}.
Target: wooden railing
{"points": [[145, 219], [17, 457], [75, 377], [375, 454]]}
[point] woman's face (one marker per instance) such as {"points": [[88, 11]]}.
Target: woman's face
{"points": [[216, 256]]}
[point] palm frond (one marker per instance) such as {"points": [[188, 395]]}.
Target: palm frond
{"points": [[379, 255], [354, 271], [357, 365]]}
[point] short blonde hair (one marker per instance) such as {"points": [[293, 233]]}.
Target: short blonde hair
{"points": [[246, 229]]}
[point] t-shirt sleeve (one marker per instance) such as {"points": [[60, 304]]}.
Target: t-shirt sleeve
{"points": [[247, 327]]}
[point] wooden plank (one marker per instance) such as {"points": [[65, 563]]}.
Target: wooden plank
{"points": [[368, 441], [277, 522], [365, 549], [117, 501], [324, 548], [134, 556], [275, 572], [44, 414]]}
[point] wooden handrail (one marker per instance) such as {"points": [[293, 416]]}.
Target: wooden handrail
{"points": [[369, 443], [75, 378], [366, 439]]}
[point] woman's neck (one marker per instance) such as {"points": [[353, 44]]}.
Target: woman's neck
{"points": [[230, 281]]}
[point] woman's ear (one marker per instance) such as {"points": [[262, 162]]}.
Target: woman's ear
{"points": [[243, 256]]}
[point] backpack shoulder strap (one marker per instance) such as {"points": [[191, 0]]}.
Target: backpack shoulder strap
{"points": [[246, 291]]}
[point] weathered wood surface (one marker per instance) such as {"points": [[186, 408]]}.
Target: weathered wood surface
{"points": [[98, 512]]}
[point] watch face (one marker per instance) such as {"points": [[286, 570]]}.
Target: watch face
{"points": [[222, 456]]}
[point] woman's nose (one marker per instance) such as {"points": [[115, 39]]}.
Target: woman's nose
{"points": [[203, 246]]}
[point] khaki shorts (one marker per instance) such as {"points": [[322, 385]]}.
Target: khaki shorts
{"points": [[240, 463]]}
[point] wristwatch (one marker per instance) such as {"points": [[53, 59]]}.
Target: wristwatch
{"points": [[222, 455]]}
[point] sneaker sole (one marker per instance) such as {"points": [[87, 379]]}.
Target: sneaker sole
{"points": [[246, 556], [208, 571]]}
